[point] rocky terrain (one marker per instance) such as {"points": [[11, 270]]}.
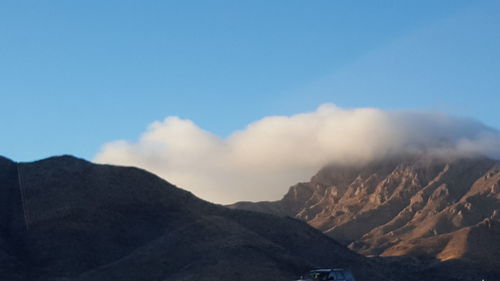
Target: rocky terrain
{"points": [[66, 219], [418, 206]]}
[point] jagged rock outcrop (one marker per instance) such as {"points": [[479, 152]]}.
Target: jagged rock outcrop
{"points": [[421, 206]]}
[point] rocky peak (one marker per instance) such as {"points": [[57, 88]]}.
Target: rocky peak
{"points": [[415, 204]]}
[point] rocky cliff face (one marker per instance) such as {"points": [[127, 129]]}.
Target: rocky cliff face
{"points": [[420, 206], [67, 219]]}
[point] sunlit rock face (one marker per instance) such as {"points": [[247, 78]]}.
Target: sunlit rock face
{"points": [[416, 205]]}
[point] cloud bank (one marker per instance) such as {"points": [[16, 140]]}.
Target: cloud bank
{"points": [[261, 161]]}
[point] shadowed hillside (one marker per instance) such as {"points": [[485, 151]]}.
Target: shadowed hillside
{"points": [[64, 218]]}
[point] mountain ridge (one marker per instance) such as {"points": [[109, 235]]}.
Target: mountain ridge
{"points": [[73, 220], [421, 206]]}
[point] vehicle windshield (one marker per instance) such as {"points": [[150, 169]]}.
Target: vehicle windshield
{"points": [[318, 275]]}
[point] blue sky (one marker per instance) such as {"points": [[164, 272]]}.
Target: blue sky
{"points": [[77, 74]]}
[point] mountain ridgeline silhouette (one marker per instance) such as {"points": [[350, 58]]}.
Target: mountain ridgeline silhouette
{"points": [[64, 218]]}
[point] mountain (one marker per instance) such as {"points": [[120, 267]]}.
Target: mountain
{"points": [[66, 219], [418, 206]]}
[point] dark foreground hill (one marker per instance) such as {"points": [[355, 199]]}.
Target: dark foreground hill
{"points": [[418, 206], [66, 219]]}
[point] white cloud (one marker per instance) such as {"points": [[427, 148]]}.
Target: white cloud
{"points": [[262, 160]]}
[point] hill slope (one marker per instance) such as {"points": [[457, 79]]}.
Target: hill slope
{"points": [[416, 205], [64, 218]]}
